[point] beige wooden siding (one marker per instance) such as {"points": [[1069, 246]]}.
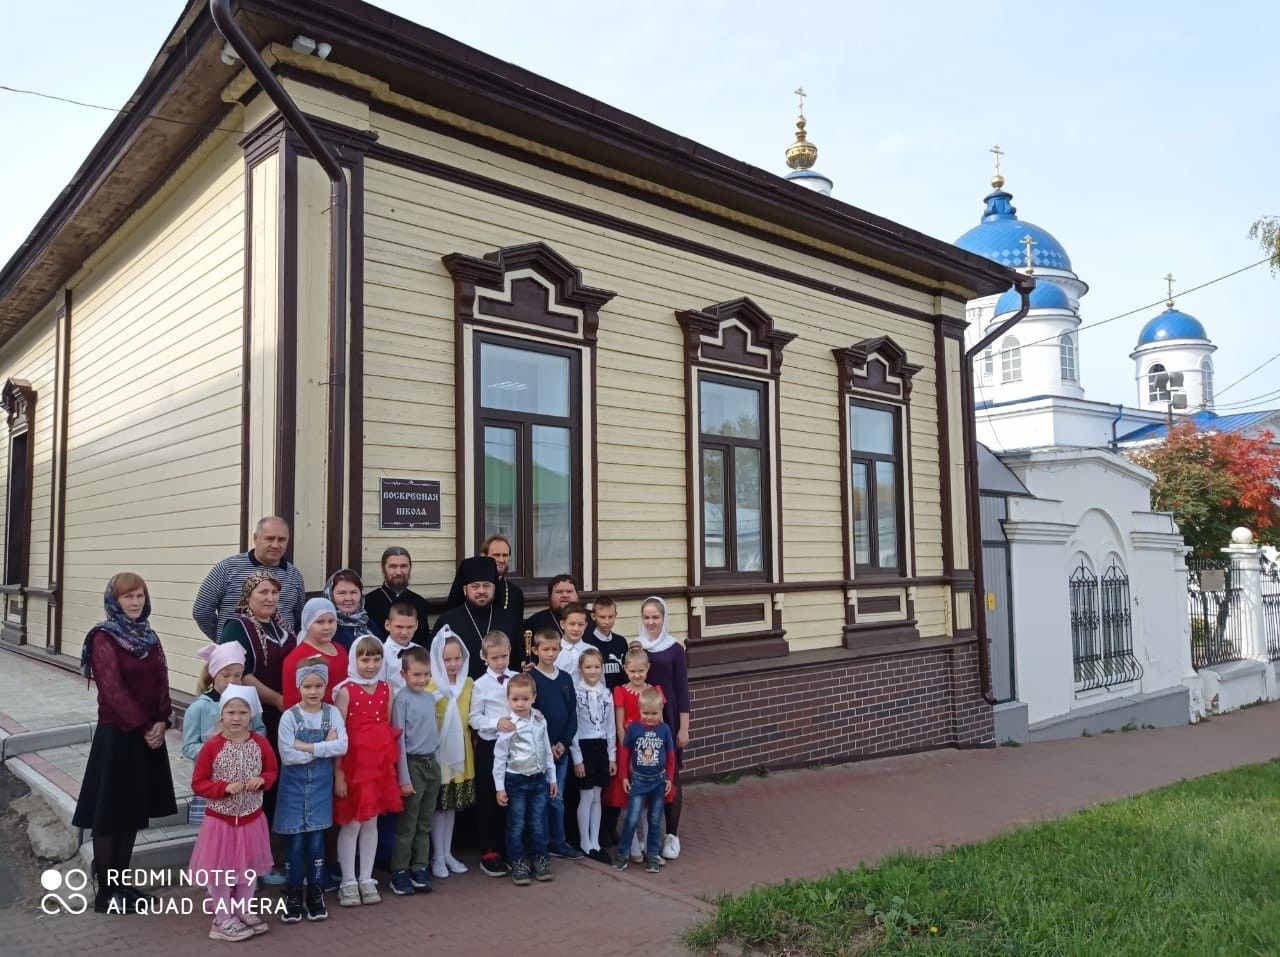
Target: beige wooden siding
{"points": [[153, 464], [412, 220], [30, 355], [264, 337]]}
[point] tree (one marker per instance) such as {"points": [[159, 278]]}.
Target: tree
{"points": [[1213, 482], [1267, 232]]}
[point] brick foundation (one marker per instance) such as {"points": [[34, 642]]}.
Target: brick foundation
{"points": [[834, 711]]}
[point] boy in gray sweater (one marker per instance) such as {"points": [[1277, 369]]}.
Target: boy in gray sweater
{"points": [[413, 711]]}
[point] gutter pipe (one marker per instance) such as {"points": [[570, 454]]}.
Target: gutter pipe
{"points": [[1024, 284], [338, 206]]}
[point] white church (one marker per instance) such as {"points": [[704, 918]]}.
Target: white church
{"points": [[1086, 586]]}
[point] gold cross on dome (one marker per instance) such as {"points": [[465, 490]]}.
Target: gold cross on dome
{"points": [[800, 93], [1029, 242], [998, 153], [1169, 279]]}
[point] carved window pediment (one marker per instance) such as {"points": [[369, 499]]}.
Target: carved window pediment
{"points": [[876, 365], [734, 333], [530, 285], [19, 400]]}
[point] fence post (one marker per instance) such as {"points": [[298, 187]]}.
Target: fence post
{"points": [[1246, 570]]}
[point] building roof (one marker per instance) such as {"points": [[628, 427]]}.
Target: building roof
{"points": [[184, 84], [1000, 233], [1171, 324], [1205, 420], [1046, 295]]}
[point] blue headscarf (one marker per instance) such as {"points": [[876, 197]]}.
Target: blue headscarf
{"points": [[134, 635]]}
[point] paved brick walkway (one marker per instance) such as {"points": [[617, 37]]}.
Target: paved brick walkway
{"points": [[798, 824]]}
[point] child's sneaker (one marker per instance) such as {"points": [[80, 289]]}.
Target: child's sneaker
{"points": [[652, 865], [401, 883], [520, 873], [230, 929], [255, 923], [420, 878], [542, 868], [671, 847], [621, 862], [349, 894], [492, 865], [369, 892], [292, 906], [315, 903]]}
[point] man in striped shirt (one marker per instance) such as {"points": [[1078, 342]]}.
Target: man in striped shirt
{"points": [[220, 591]]}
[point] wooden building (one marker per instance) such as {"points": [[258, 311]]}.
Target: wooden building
{"points": [[654, 366]]}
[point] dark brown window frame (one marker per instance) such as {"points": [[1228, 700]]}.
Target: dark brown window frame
{"points": [[523, 423], [875, 373], [858, 457], [19, 402], [527, 328], [727, 444]]}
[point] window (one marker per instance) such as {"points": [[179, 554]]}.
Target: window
{"points": [[733, 354], [529, 442], [18, 400], [1157, 392], [875, 477], [1206, 379], [1067, 349], [734, 465], [526, 336], [1010, 360], [875, 385], [988, 365]]}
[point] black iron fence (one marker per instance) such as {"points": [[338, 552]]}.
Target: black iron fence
{"points": [[1101, 629], [1271, 607], [1214, 604]]}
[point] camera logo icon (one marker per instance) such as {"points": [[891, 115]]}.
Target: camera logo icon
{"points": [[56, 884]]}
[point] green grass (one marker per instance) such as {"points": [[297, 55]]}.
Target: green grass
{"points": [[1191, 869]]}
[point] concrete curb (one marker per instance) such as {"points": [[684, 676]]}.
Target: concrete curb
{"points": [[62, 803], [24, 742]]}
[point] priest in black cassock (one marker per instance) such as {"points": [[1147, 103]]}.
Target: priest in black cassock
{"points": [[507, 595], [397, 566], [479, 613]]}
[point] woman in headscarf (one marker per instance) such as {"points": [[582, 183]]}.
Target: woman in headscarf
{"points": [[127, 780], [345, 589], [668, 670], [267, 640]]}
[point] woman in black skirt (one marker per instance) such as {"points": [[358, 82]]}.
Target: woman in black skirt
{"points": [[127, 780]]}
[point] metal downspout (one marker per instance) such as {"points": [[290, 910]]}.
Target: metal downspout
{"points": [[1024, 285], [271, 86]]}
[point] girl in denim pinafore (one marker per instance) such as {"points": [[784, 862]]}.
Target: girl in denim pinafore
{"points": [[312, 734]]}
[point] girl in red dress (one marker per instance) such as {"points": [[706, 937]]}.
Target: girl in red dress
{"points": [[365, 781]]}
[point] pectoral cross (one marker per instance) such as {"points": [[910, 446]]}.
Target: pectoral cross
{"points": [[1169, 279], [1029, 242]]}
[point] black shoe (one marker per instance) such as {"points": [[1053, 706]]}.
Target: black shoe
{"points": [[567, 851], [542, 868], [401, 883], [315, 903], [601, 855], [520, 873], [420, 878], [138, 900], [652, 865], [112, 900], [492, 865], [292, 906]]}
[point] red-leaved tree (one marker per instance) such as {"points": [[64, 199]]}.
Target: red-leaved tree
{"points": [[1213, 482]]}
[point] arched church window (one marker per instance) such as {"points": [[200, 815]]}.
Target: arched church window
{"points": [[1010, 360], [1206, 377], [988, 365], [1154, 391], [1067, 350]]}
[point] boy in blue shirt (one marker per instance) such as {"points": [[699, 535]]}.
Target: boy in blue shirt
{"points": [[557, 699], [648, 755]]}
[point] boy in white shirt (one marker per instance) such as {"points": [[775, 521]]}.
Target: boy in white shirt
{"points": [[401, 624], [524, 777], [488, 717]]}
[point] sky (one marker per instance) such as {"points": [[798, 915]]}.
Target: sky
{"points": [[1143, 135]]}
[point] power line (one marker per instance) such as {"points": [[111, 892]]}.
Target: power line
{"points": [[1251, 371], [112, 109], [1244, 402]]}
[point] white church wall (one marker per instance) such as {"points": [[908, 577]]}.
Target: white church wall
{"points": [[1186, 356], [1052, 421]]}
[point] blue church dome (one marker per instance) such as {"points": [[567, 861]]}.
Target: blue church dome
{"points": [[999, 237], [1046, 295], [1171, 324]]}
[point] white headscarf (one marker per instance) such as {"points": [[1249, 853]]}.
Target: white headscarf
{"points": [[665, 639], [353, 663], [453, 749], [246, 693]]}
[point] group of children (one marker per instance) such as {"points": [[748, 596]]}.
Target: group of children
{"points": [[395, 736]]}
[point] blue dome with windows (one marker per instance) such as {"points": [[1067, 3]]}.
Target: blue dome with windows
{"points": [[999, 237], [1046, 295], [1171, 324]]}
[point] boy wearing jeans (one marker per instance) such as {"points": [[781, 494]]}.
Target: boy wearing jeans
{"points": [[524, 775], [558, 702], [413, 711], [648, 765]]}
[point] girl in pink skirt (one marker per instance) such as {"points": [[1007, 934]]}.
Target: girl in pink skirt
{"points": [[233, 770]]}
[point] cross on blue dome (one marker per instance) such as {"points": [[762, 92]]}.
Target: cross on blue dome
{"points": [[1171, 324], [999, 237]]}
